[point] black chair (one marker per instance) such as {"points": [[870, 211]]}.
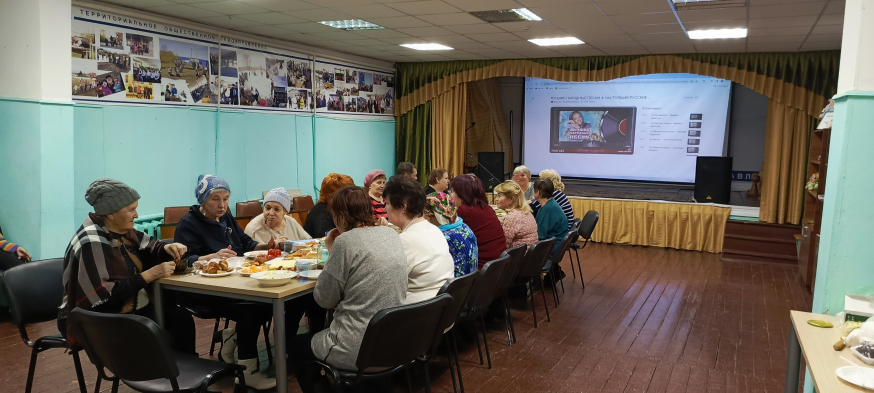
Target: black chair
{"points": [[135, 350], [584, 227], [35, 291], [395, 338], [555, 260], [482, 295], [517, 255], [532, 267], [574, 246], [210, 313], [460, 289]]}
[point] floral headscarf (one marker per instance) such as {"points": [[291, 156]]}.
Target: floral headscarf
{"points": [[442, 207]]}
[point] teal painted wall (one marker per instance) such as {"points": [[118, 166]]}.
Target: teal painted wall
{"points": [[845, 262], [51, 153]]}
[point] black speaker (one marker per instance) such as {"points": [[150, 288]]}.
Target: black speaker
{"points": [[713, 180], [493, 162]]}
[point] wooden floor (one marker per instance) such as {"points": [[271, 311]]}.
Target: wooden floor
{"points": [[649, 320]]}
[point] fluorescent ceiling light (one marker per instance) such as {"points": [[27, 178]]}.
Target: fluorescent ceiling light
{"points": [[353, 24], [717, 33], [525, 13], [426, 46], [557, 41]]}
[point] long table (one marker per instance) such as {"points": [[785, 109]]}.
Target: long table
{"points": [[815, 344], [243, 288]]}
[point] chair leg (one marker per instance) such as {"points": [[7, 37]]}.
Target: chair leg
{"points": [[485, 340], [30, 371], [227, 323], [241, 376], [115, 385], [267, 343], [97, 384], [507, 321], [561, 280], [409, 380], [572, 264], [476, 336], [449, 358], [80, 377], [543, 294], [457, 362], [214, 331], [580, 266], [427, 378], [554, 289], [509, 317]]}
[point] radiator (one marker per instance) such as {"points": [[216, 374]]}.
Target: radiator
{"points": [[149, 224]]}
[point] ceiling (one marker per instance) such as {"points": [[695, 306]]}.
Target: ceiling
{"points": [[609, 27]]}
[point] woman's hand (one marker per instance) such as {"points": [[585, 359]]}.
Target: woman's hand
{"points": [[162, 270], [329, 239], [224, 253], [22, 254], [176, 250]]}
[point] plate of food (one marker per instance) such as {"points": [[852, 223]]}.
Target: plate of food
{"points": [[274, 278], [249, 270], [862, 377], [265, 254], [304, 253], [311, 274], [218, 268]]}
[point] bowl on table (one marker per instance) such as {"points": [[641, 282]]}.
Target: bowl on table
{"points": [[274, 278]]}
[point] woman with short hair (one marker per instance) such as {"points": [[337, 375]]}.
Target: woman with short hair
{"points": [[441, 212], [429, 264], [519, 224], [438, 181], [274, 222], [473, 207], [374, 183], [522, 176], [558, 195], [551, 221], [319, 220]]}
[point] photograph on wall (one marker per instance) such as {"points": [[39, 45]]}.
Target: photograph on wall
{"points": [[281, 98], [139, 90], [111, 38], [183, 61], [377, 79], [140, 45], [109, 83], [321, 100], [300, 99], [365, 82], [228, 91], [300, 74], [200, 91], [351, 90], [351, 77], [256, 88], [84, 42], [228, 60], [109, 60], [85, 85], [276, 72], [351, 103], [146, 70], [339, 75], [335, 103]]}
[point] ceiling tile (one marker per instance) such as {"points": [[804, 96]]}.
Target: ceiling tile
{"points": [[798, 39], [628, 50], [473, 46], [268, 31], [821, 45], [230, 7], [384, 35], [623, 7], [791, 9], [612, 39], [546, 3], [281, 5], [422, 31], [447, 39], [590, 23], [228, 21], [480, 28], [384, 47], [398, 22], [589, 32], [577, 11], [484, 5], [674, 37], [835, 7], [196, 1], [308, 27], [670, 49], [339, 35], [529, 35], [785, 47], [828, 29], [622, 44], [141, 3], [824, 37], [659, 28], [426, 7], [802, 31], [340, 3], [403, 40], [184, 12], [319, 14], [456, 18], [526, 26], [491, 37], [369, 42], [272, 18], [716, 47], [645, 19], [459, 55], [580, 51], [719, 24], [790, 21], [711, 15], [369, 11], [770, 2], [833, 19]]}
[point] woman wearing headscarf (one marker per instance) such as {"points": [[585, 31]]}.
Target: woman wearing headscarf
{"points": [[108, 264], [319, 220], [440, 211], [275, 223]]}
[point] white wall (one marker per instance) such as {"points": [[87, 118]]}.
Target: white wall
{"points": [[857, 57]]}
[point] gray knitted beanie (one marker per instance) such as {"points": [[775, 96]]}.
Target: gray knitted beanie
{"points": [[109, 196]]}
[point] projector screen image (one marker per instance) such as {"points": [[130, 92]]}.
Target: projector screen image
{"points": [[592, 130], [642, 128]]}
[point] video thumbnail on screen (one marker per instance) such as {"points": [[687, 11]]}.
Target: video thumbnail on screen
{"points": [[592, 130]]}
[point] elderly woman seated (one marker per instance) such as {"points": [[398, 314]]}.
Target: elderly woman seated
{"points": [[319, 220], [470, 195], [441, 211], [429, 263], [108, 264], [365, 273], [519, 224], [558, 195], [374, 183], [522, 177], [275, 223]]}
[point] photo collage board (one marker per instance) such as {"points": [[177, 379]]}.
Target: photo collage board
{"points": [[118, 59], [352, 90]]}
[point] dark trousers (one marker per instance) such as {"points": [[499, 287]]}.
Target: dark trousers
{"points": [[9, 260]]}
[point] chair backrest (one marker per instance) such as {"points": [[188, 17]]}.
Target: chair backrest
{"points": [[460, 290], [398, 335], [588, 223], [489, 279], [249, 209], [302, 203], [132, 347], [34, 291], [173, 214], [517, 255], [564, 246], [536, 257]]}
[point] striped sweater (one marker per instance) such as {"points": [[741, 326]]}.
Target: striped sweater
{"points": [[7, 246]]}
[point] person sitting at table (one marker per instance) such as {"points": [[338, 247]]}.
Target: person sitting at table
{"points": [[519, 224], [319, 220], [408, 170], [473, 207], [108, 265], [211, 232], [365, 273], [429, 263], [11, 254], [275, 223], [551, 221], [559, 197], [438, 181], [441, 212], [522, 176], [374, 183]]}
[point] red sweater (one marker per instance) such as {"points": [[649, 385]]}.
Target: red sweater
{"points": [[488, 231]]}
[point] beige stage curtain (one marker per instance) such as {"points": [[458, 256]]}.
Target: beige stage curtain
{"points": [[682, 226], [787, 139], [491, 132], [448, 121]]}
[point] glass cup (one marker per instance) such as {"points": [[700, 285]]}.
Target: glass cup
{"points": [[288, 247], [303, 269]]}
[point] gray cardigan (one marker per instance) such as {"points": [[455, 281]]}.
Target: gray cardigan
{"points": [[366, 272]]}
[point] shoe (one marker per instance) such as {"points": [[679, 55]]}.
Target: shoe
{"points": [[254, 378], [229, 344]]}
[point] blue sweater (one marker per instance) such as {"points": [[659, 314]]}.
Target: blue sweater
{"points": [[203, 236], [551, 222]]}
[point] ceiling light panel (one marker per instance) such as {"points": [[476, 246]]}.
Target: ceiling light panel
{"points": [[717, 34], [426, 46], [557, 41], [510, 15], [352, 24]]}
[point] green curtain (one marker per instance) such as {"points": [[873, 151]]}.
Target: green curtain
{"points": [[413, 139]]}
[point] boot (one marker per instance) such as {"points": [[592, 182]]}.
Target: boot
{"points": [[254, 378], [229, 344]]}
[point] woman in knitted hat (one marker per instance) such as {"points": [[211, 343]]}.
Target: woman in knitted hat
{"points": [[440, 211], [319, 221], [274, 222], [108, 264], [374, 183]]}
